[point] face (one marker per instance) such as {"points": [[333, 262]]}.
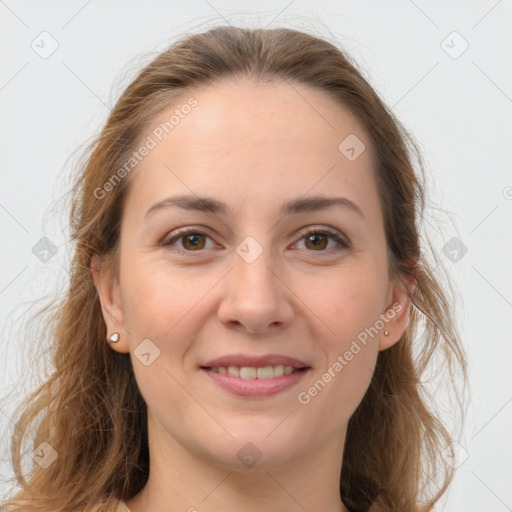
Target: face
{"points": [[265, 272]]}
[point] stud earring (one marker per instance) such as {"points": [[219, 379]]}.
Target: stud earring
{"points": [[114, 338], [386, 333]]}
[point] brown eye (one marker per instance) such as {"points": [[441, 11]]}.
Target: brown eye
{"points": [[317, 241], [193, 241]]}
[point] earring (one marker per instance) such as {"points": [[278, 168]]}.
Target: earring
{"points": [[114, 338], [386, 333]]}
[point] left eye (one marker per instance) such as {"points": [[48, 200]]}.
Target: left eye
{"points": [[320, 238], [194, 241]]}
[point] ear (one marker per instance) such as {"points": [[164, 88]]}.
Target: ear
{"points": [[108, 289], [397, 311]]}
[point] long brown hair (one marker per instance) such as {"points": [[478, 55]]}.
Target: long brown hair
{"points": [[90, 410]]}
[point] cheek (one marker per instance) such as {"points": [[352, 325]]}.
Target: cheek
{"points": [[159, 304], [159, 296], [335, 390], [346, 303], [348, 309]]}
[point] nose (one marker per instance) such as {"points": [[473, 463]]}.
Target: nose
{"points": [[255, 297]]}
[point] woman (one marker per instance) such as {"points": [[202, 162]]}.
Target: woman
{"points": [[246, 293]]}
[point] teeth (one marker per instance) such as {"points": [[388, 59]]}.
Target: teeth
{"points": [[248, 373], [234, 371], [263, 372], [288, 370], [278, 370]]}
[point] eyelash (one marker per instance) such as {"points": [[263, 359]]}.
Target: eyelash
{"points": [[343, 243]]}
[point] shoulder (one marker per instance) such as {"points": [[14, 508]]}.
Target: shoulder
{"points": [[122, 507]]}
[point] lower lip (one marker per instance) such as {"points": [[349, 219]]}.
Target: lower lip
{"points": [[256, 387]]}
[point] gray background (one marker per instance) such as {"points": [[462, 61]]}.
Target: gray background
{"points": [[456, 101]]}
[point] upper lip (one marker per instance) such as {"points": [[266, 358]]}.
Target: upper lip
{"points": [[241, 360]]}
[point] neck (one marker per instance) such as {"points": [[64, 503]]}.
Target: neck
{"points": [[184, 481]]}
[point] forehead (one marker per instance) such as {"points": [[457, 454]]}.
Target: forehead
{"points": [[253, 113], [242, 138]]}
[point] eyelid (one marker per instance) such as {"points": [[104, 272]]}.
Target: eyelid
{"points": [[182, 232], [342, 240]]}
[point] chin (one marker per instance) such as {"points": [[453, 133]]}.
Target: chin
{"points": [[256, 445]]}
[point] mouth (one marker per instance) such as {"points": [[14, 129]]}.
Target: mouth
{"points": [[255, 372], [255, 382]]}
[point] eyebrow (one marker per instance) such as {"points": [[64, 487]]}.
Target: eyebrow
{"points": [[209, 204]]}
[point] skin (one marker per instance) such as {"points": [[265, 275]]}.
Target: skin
{"points": [[253, 147]]}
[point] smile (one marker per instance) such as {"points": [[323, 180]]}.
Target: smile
{"points": [[251, 372], [255, 382]]}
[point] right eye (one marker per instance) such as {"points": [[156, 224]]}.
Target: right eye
{"points": [[193, 240]]}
